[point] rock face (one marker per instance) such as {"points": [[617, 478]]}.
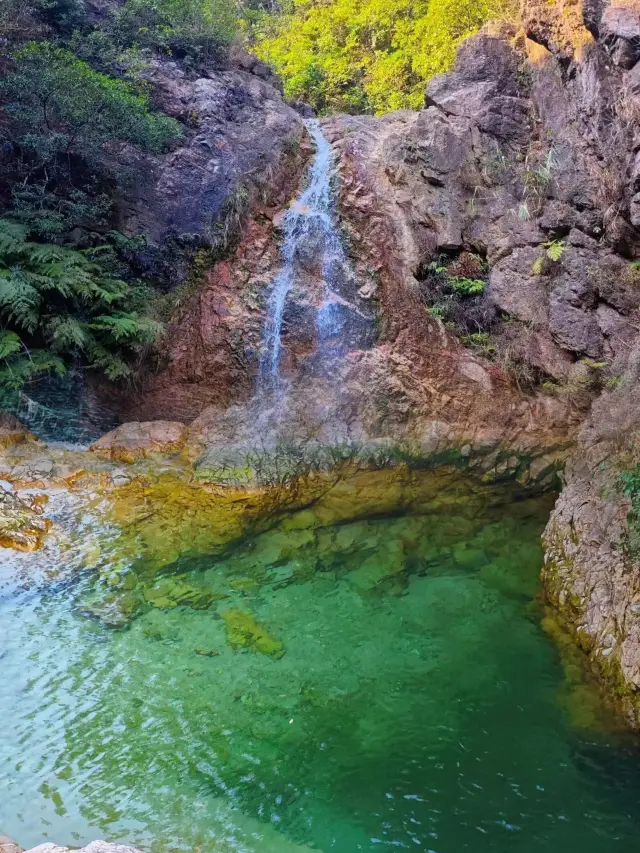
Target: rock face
{"points": [[238, 132], [512, 161], [133, 441], [241, 164], [592, 567]]}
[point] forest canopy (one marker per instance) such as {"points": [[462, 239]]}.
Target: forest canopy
{"points": [[367, 56]]}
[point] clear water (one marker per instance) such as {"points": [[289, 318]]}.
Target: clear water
{"points": [[418, 704]]}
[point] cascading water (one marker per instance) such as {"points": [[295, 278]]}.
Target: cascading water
{"points": [[316, 267]]}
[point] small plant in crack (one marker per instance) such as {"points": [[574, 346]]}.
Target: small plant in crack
{"points": [[454, 291]]}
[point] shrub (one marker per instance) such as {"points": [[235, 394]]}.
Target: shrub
{"points": [[59, 305], [628, 482], [200, 29], [59, 106], [64, 124], [454, 290]]}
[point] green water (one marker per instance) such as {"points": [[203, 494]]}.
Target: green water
{"points": [[418, 704]]}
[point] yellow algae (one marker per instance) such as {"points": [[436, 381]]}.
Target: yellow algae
{"points": [[170, 517]]}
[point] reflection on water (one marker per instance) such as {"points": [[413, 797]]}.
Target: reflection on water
{"points": [[416, 705]]}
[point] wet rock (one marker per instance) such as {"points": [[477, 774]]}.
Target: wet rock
{"points": [[22, 526], [8, 846], [12, 431], [133, 441]]}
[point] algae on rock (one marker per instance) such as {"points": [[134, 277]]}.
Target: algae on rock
{"points": [[244, 632]]}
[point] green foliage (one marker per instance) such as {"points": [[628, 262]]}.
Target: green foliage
{"points": [[466, 286], [28, 18], [554, 249], [60, 107], [373, 56], [64, 125], [59, 305], [199, 29], [480, 341], [629, 484]]}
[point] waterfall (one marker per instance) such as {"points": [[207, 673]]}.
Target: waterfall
{"points": [[310, 237]]}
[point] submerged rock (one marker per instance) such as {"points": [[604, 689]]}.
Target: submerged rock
{"points": [[94, 847], [243, 632]]}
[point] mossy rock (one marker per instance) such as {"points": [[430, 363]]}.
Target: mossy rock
{"points": [[22, 526], [244, 632]]}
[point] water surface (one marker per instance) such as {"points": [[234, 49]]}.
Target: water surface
{"points": [[417, 705]]}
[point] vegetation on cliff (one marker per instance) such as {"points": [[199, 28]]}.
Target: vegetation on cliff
{"points": [[74, 108], [371, 57]]}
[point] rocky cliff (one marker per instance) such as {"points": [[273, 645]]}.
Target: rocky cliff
{"points": [[241, 162], [522, 173]]}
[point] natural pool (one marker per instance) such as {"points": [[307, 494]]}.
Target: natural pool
{"points": [[390, 687]]}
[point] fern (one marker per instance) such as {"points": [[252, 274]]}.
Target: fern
{"points": [[66, 333], [467, 286], [9, 344], [58, 304], [554, 249]]}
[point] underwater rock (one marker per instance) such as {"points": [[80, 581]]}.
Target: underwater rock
{"points": [[172, 593], [115, 610], [245, 586], [244, 632], [383, 569]]}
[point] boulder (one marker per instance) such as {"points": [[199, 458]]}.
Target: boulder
{"points": [[620, 33], [12, 431], [133, 441], [8, 846]]}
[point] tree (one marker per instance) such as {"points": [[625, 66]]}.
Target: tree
{"points": [[199, 29], [373, 56]]}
